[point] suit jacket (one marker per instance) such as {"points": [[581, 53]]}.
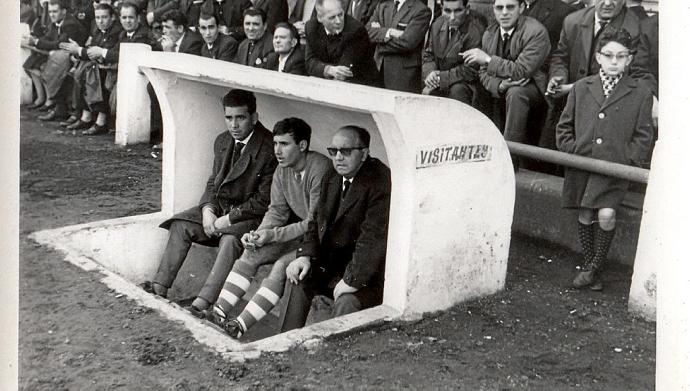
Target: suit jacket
{"points": [[401, 58], [241, 191], [229, 13], [348, 238], [106, 40], [294, 63], [69, 29], [529, 47], [259, 51], [276, 12], [551, 14], [351, 49], [617, 129], [573, 59], [364, 10], [443, 55], [224, 48], [141, 35], [191, 43], [160, 7]]}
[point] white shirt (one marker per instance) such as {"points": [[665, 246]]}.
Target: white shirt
{"points": [[597, 21], [282, 60], [178, 42], [509, 32]]}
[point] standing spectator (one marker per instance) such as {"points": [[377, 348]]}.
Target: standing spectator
{"points": [[398, 29], [83, 10], [362, 10], [443, 70], [276, 12], [338, 46], [230, 14], [157, 8], [63, 28], [636, 7], [607, 116], [512, 54], [254, 50], [217, 46], [235, 199], [343, 252], [93, 84], [287, 56], [574, 57], [551, 14], [301, 13]]}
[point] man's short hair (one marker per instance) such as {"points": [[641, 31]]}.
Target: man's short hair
{"points": [[61, 3], [621, 36], [319, 3], [464, 2], [519, 1], [207, 16], [177, 17], [293, 30], [251, 11], [240, 98], [296, 127], [361, 133], [132, 5], [105, 7]]}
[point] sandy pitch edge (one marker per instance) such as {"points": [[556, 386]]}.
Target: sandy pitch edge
{"points": [[201, 330]]}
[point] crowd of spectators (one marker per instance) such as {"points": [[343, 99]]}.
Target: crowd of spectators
{"points": [[516, 67]]}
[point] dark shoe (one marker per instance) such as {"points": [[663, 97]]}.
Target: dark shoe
{"points": [[597, 285], [148, 287], [46, 108], [233, 328], [213, 317], [199, 313], [583, 279], [95, 130], [69, 121], [51, 116], [35, 106], [79, 125]]}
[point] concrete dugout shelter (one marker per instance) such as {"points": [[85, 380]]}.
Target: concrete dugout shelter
{"points": [[452, 196]]}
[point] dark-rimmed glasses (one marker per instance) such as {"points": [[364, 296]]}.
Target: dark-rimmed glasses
{"points": [[343, 151]]}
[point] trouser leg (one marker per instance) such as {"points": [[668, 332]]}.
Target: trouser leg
{"points": [[461, 92], [519, 102], [181, 236], [296, 307], [346, 304], [229, 249]]}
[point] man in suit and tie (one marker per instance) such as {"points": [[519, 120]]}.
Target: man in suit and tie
{"points": [[343, 252], [362, 10], [236, 197], [216, 45], [287, 56], [443, 69], [398, 28], [176, 37], [512, 54], [338, 47], [254, 50]]}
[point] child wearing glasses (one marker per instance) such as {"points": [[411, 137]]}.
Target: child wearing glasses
{"points": [[608, 116]]}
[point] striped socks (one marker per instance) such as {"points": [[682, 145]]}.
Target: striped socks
{"points": [[262, 303], [235, 287]]}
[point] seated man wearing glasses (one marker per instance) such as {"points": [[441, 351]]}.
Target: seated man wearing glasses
{"points": [[343, 252]]}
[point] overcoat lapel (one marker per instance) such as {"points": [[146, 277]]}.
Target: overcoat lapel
{"points": [[225, 166], [597, 90], [350, 197], [587, 27], [623, 88], [404, 9], [242, 163]]}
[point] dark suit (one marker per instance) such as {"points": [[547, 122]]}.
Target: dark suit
{"points": [[294, 63], [400, 59], [551, 14], [442, 53], [528, 48], [351, 48], [224, 48], [229, 13], [254, 54], [362, 10], [345, 240], [191, 43], [240, 190], [276, 12], [69, 29], [141, 35]]}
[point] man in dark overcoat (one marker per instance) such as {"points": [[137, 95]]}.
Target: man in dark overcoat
{"points": [[343, 252], [217, 46], [236, 197], [253, 51]]}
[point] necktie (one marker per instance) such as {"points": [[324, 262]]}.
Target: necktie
{"points": [[505, 48], [237, 152], [452, 32], [602, 26], [346, 187], [298, 177]]}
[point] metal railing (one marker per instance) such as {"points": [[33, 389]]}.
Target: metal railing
{"points": [[615, 170]]}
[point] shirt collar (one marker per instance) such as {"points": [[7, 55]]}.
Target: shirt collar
{"points": [[332, 32], [179, 41], [509, 32], [246, 139]]}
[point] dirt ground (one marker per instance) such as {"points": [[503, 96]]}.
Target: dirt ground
{"points": [[77, 334]]}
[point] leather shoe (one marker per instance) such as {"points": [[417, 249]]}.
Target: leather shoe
{"points": [[95, 130], [233, 328], [34, 106], [69, 121], [51, 116], [46, 108], [148, 287], [79, 125], [583, 279], [597, 285]]}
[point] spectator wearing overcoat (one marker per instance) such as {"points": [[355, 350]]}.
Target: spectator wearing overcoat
{"points": [[253, 51]]}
